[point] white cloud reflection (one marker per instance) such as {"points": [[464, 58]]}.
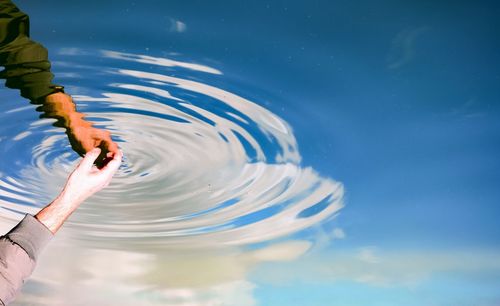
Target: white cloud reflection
{"points": [[200, 186], [160, 61], [403, 47], [174, 277], [384, 268], [177, 26]]}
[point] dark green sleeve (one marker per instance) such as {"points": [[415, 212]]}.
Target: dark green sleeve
{"points": [[26, 63]]}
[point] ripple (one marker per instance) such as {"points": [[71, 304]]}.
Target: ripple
{"points": [[202, 165]]}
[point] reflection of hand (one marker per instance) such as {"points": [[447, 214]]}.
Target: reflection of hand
{"points": [[87, 179], [83, 138]]}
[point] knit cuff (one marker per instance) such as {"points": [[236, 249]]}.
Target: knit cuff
{"points": [[31, 235]]}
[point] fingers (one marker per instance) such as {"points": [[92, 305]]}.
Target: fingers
{"points": [[90, 158], [112, 148], [113, 165], [109, 148]]}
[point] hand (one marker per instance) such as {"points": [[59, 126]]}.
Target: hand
{"points": [[87, 179], [83, 138], [82, 183]]}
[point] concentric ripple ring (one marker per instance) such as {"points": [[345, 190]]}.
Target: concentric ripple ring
{"points": [[202, 165]]}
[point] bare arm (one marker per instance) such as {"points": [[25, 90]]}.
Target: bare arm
{"points": [[20, 247]]}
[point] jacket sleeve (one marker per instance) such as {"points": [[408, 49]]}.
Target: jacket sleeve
{"points": [[26, 63], [19, 250]]}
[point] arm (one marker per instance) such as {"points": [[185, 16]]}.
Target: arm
{"points": [[27, 68], [19, 249], [82, 136]]}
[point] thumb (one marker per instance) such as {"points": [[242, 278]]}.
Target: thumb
{"points": [[90, 158]]}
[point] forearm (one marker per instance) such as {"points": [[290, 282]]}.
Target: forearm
{"points": [[61, 107], [54, 214]]}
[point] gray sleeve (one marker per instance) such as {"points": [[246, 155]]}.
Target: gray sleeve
{"points": [[19, 250]]}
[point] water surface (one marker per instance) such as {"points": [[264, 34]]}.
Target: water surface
{"points": [[246, 127]]}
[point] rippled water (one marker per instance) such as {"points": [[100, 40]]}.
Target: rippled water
{"points": [[203, 168], [235, 117], [202, 165]]}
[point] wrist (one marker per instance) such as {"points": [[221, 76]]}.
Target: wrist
{"points": [[60, 105], [75, 120], [68, 201], [54, 214], [58, 100]]}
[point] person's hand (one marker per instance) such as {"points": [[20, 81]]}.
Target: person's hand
{"points": [[83, 138], [83, 182], [87, 179]]}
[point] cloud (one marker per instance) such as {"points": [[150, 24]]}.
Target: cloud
{"points": [[375, 267], [169, 277], [338, 233], [403, 47], [160, 61], [177, 26], [368, 255]]}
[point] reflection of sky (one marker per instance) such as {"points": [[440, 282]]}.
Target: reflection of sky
{"points": [[399, 101], [373, 277]]}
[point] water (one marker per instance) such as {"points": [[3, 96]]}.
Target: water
{"points": [[202, 165], [245, 129]]}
